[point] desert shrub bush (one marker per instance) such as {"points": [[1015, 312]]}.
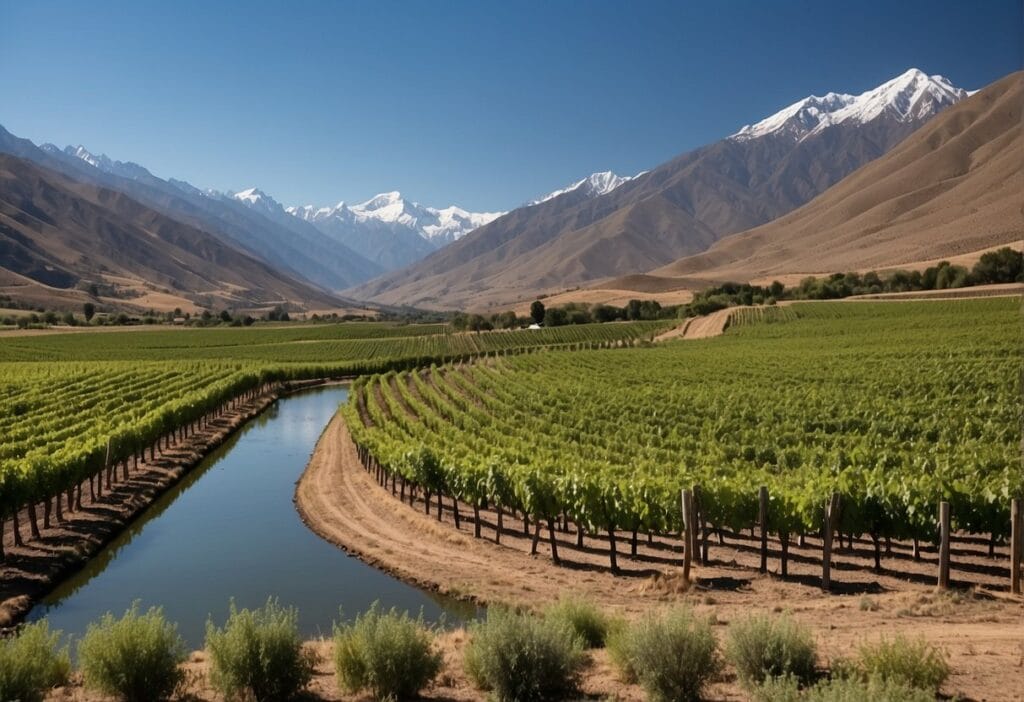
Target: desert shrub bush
{"points": [[521, 657], [390, 654], [912, 662], [762, 647], [787, 689], [31, 662], [673, 655], [135, 658], [583, 618], [259, 654]]}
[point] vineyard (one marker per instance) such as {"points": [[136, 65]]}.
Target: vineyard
{"points": [[74, 406], [323, 344], [892, 407]]}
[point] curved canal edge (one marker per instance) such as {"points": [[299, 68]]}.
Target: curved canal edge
{"points": [[33, 570]]}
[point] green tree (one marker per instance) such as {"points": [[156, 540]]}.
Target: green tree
{"points": [[537, 311], [88, 309]]}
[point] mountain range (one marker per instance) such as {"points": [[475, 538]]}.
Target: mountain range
{"points": [[951, 188], [677, 209], [829, 182], [65, 241], [390, 230]]}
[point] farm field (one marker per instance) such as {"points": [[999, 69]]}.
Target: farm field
{"points": [[893, 407], [74, 404]]}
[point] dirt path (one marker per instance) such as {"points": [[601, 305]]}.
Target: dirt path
{"points": [[981, 629], [703, 327]]}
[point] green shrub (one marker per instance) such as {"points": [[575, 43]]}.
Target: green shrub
{"points": [[617, 641], [673, 656], [135, 657], [388, 653], [259, 655], [583, 618], [909, 662], [787, 689], [32, 662], [762, 647], [522, 658]]}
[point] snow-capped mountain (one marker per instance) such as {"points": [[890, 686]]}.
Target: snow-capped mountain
{"points": [[912, 96], [679, 208], [593, 185], [389, 229], [124, 169]]}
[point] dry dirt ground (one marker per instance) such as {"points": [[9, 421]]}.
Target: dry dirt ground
{"points": [[979, 625]]}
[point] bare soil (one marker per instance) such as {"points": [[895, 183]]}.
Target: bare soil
{"points": [[979, 625]]}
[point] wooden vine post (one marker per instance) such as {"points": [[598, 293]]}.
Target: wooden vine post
{"points": [[1016, 544], [831, 523], [762, 519], [944, 545], [689, 539]]}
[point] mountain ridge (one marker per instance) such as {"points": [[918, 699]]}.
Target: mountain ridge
{"points": [[679, 208]]}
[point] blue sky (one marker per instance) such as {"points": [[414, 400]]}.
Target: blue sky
{"points": [[481, 104]]}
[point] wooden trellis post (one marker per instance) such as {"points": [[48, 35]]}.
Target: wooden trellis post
{"points": [[689, 539], [1016, 544], [831, 523], [762, 518], [944, 545]]}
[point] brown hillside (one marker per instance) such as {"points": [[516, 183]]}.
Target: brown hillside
{"points": [[680, 208], [953, 187], [58, 235]]}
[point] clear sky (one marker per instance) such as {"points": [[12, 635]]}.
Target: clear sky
{"points": [[481, 104]]}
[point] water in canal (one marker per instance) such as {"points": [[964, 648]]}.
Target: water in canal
{"points": [[230, 529]]}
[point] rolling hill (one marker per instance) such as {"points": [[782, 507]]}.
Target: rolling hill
{"points": [[59, 236]]}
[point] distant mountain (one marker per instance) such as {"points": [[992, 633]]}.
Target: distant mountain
{"points": [[284, 242], [679, 208], [593, 185], [953, 187], [390, 230], [61, 236]]}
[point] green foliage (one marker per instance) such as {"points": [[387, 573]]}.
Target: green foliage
{"points": [[135, 658], [537, 311], [387, 653], [259, 654], [673, 655], [609, 438], [582, 617], [911, 662], [31, 662], [787, 689], [522, 658], [763, 647]]}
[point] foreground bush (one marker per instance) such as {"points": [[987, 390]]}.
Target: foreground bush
{"points": [[259, 655], [583, 618], [32, 662], [904, 661], [135, 657], [787, 689], [522, 658], [762, 647], [673, 656], [389, 654]]}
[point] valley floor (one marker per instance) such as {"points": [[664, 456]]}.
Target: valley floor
{"points": [[981, 627]]}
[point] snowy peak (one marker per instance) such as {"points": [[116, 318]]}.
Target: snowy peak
{"points": [[592, 186], [391, 211], [125, 169], [914, 95]]}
